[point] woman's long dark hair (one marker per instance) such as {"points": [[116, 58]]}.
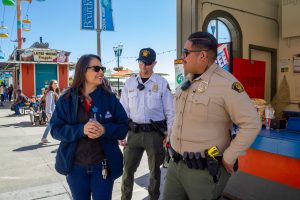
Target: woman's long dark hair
{"points": [[80, 70], [50, 88], [56, 91]]}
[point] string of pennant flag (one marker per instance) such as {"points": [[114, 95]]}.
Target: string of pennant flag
{"points": [[135, 57]]}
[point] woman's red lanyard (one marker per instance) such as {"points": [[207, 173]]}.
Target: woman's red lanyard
{"points": [[87, 105]]}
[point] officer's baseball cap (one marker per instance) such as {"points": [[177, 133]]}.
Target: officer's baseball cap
{"points": [[204, 38], [147, 55]]}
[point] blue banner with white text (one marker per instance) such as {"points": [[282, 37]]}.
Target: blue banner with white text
{"points": [[107, 18], [88, 15]]}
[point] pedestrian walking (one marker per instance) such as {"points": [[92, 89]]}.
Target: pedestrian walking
{"points": [[5, 93], [148, 102], [10, 92], [206, 106], [1, 94], [89, 120], [51, 99]]}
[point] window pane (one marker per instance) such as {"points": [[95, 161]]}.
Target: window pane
{"points": [[219, 30]]}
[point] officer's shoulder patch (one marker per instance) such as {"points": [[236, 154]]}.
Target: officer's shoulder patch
{"points": [[238, 87], [168, 87]]}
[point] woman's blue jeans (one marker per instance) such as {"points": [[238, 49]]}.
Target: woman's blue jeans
{"points": [[17, 108], [47, 130], [85, 182]]}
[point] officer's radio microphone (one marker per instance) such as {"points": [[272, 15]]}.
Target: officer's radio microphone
{"points": [[140, 86], [186, 85]]}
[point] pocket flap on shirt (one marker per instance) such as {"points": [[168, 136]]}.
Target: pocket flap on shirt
{"points": [[132, 94], [156, 95], [201, 99]]}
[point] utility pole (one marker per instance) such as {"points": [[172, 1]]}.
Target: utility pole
{"points": [[19, 24]]}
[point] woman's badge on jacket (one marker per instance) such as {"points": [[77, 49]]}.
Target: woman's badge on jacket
{"points": [[108, 115], [94, 109]]}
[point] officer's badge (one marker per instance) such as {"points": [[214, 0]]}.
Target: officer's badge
{"points": [[202, 87], [154, 88], [238, 87], [146, 53]]}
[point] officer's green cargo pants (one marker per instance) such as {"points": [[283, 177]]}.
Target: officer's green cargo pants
{"points": [[152, 142], [182, 183]]}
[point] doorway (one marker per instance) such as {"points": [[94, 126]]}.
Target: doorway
{"points": [[44, 73], [269, 56]]}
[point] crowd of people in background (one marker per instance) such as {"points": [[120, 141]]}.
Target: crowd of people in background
{"points": [[40, 108], [5, 93]]}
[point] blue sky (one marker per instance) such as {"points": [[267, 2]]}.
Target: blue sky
{"points": [[138, 24]]}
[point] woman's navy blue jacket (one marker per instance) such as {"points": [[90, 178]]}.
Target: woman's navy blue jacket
{"points": [[66, 129]]}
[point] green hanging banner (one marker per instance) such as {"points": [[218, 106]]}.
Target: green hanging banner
{"points": [[8, 2]]}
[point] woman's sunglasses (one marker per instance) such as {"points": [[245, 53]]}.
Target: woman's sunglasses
{"points": [[98, 68]]}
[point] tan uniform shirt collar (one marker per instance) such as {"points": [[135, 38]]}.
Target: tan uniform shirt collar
{"points": [[205, 76]]}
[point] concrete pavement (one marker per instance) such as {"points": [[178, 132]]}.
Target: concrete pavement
{"points": [[27, 167]]}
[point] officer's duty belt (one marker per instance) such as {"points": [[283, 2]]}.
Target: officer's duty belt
{"points": [[194, 160], [201, 163], [135, 127], [145, 127]]}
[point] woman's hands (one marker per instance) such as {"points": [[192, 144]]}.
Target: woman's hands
{"points": [[93, 129]]}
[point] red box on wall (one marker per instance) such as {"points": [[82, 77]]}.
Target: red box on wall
{"points": [[251, 73]]}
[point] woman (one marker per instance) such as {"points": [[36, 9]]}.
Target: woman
{"points": [[43, 116], [51, 99], [89, 121]]}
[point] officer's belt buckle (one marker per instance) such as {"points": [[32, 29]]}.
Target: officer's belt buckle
{"points": [[145, 127]]}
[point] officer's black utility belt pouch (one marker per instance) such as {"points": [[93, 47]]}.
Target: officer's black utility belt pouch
{"points": [[196, 161], [191, 159], [160, 126]]}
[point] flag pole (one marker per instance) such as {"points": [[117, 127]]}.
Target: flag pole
{"points": [[98, 29]]}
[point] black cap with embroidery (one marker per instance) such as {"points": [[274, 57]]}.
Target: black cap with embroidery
{"points": [[147, 55]]}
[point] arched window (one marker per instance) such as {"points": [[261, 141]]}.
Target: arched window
{"points": [[226, 29], [221, 32]]}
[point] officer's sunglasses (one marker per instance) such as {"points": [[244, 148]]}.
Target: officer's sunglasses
{"points": [[143, 63], [186, 52], [97, 68]]}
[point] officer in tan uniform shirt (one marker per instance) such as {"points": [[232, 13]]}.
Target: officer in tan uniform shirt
{"points": [[206, 106]]}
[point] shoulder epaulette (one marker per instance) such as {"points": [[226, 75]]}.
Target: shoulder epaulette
{"points": [[225, 74]]}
